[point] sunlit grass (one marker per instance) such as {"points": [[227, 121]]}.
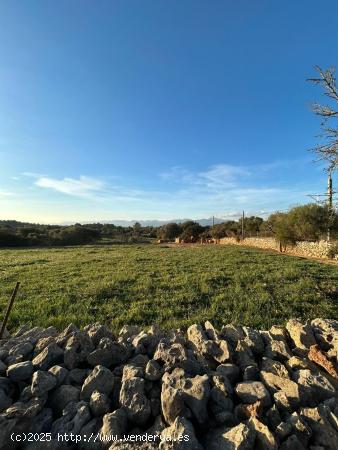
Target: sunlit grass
{"points": [[173, 287]]}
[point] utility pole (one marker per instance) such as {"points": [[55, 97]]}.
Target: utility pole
{"points": [[243, 226], [329, 203]]}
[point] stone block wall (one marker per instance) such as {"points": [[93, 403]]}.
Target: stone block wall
{"points": [[313, 249]]}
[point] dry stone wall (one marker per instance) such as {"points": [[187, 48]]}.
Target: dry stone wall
{"points": [[319, 249], [233, 388]]}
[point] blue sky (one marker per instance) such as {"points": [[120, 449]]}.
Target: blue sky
{"points": [[159, 109]]}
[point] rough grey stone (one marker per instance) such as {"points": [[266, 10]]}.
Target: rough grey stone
{"points": [[251, 391], [20, 371], [100, 379]]}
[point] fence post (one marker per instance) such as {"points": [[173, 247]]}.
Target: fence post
{"points": [[9, 308]]}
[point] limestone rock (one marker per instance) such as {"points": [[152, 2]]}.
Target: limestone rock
{"points": [[62, 395], [316, 386], [134, 400], [153, 371], [251, 391], [300, 429], [289, 388], [190, 392], [49, 356], [230, 371], [108, 353], [100, 379], [96, 332], [323, 432], [114, 424], [317, 356], [20, 371], [99, 403], [265, 440], [301, 334], [179, 436], [240, 437], [77, 348], [42, 382], [219, 350], [59, 372]]}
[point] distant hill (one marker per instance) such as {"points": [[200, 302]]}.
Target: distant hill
{"points": [[121, 223], [156, 223], [13, 224]]}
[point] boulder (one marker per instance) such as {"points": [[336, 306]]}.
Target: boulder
{"points": [[289, 388], [133, 398], [219, 350], [49, 356], [301, 334], [254, 340], [62, 395], [43, 343], [319, 357], [75, 416], [251, 391], [99, 403], [20, 371], [233, 333], [42, 382], [265, 440], [77, 348], [77, 376], [240, 437], [299, 428], [26, 410], [323, 433], [60, 373], [131, 370], [100, 379], [316, 386], [108, 353], [190, 392], [179, 436], [96, 332], [230, 371], [114, 424], [153, 371], [220, 397]]}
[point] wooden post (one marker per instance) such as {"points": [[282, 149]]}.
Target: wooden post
{"points": [[9, 308], [243, 226]]}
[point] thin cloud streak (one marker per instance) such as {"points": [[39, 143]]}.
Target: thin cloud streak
{"points": [[81, 187], [219, 189], [6, 194]]}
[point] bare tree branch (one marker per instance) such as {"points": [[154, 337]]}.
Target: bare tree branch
{"points": [[328, 151]]}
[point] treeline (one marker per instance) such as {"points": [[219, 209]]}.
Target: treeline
{"points": [[18, 234], [302, 223]]}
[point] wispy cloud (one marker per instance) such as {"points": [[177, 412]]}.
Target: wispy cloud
{"points": [[32, 174], [5, 194], [214, 177], [220, 189], [222, 175], [225, 176], [81, 187]]}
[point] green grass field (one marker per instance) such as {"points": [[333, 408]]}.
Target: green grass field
{"points": [[173, 287]]}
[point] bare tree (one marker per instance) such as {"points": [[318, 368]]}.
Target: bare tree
{"points": [[328, 151]]}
